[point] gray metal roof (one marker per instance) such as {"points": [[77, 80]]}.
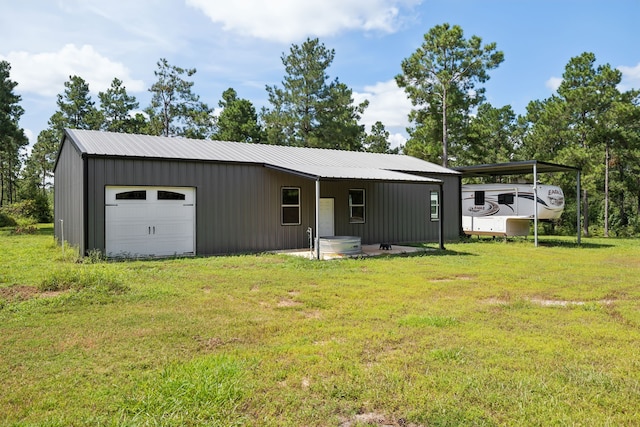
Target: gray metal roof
{"points": [[514, 168], [311, 162]]}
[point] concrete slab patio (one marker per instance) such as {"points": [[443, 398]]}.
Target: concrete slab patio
{"points": [[367, 251]]}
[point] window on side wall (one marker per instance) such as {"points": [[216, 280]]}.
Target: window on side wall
{"points": [[356, 206], [435, 206], [290, 206]]}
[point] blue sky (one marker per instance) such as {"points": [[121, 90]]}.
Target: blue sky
{"points": [[239, 44]]}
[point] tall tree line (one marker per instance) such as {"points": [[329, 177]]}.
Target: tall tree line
{"points": [[591, 124], [588, 122]]}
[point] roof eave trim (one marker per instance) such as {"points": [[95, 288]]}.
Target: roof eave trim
{"points": [[67, 137], [292, 171]]}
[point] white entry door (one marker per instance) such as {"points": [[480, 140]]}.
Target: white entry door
{"points": [[326, 225], [150, 221]]}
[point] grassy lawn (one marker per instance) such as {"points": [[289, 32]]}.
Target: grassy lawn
{"points": [[485, 333]]}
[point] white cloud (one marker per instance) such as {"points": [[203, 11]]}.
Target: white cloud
{"points": [[630, 77], [32, 140], [288, 21], [553, 83], [387, 103], [45, 73], [397, 140]]}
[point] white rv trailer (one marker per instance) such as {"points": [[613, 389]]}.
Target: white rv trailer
{"points": [[507, 209]]}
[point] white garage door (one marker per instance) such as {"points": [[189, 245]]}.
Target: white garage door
{"points": [[150, 221]]}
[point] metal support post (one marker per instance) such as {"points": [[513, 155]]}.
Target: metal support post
{"points": [[578, 203], [535, 204], [317, 241]]}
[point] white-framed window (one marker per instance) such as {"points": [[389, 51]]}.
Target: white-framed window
{"points": [[356, 205], [290, 203], [435, 206]]}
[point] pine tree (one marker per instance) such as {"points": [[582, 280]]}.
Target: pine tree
{"points": [[76, 110], [308, 111], [591, 125], [377, 141], [238, 120], [117, 108], [12, 138], [441, 79], [175, 110]]}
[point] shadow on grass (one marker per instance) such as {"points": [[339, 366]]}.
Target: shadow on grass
{"points": [[45, 230], [544, 241], [39, 230], [573, 244], [429, 252]]}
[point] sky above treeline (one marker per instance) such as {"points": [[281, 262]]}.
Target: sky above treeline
{"points": [[239, 44]]}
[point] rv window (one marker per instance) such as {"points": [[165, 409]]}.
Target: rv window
{"points": [[132, 195], [356, 206], [435, 206], [479, 198], [290, 206], [170, 195], [505, 199]]}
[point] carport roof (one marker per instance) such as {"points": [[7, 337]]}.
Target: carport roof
{"points": [[313, 163], [513, 168]]}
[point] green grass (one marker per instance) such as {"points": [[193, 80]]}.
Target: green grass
{"points": [[485, 334]]}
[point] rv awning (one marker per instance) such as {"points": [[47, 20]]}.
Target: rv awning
{"points": [[513, 168]]}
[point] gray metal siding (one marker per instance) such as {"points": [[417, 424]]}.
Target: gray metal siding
{"points": [[69, 197], [394, 212], [238, 205], [451, 206]]}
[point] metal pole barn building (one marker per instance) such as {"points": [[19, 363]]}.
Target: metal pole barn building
{"points": [[140, 195]]}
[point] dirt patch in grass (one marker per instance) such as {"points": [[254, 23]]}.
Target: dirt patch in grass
{"points": [[451, 279], [549, 302], [314, 314], [375, 419], [288, 303], [17, 293]]}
